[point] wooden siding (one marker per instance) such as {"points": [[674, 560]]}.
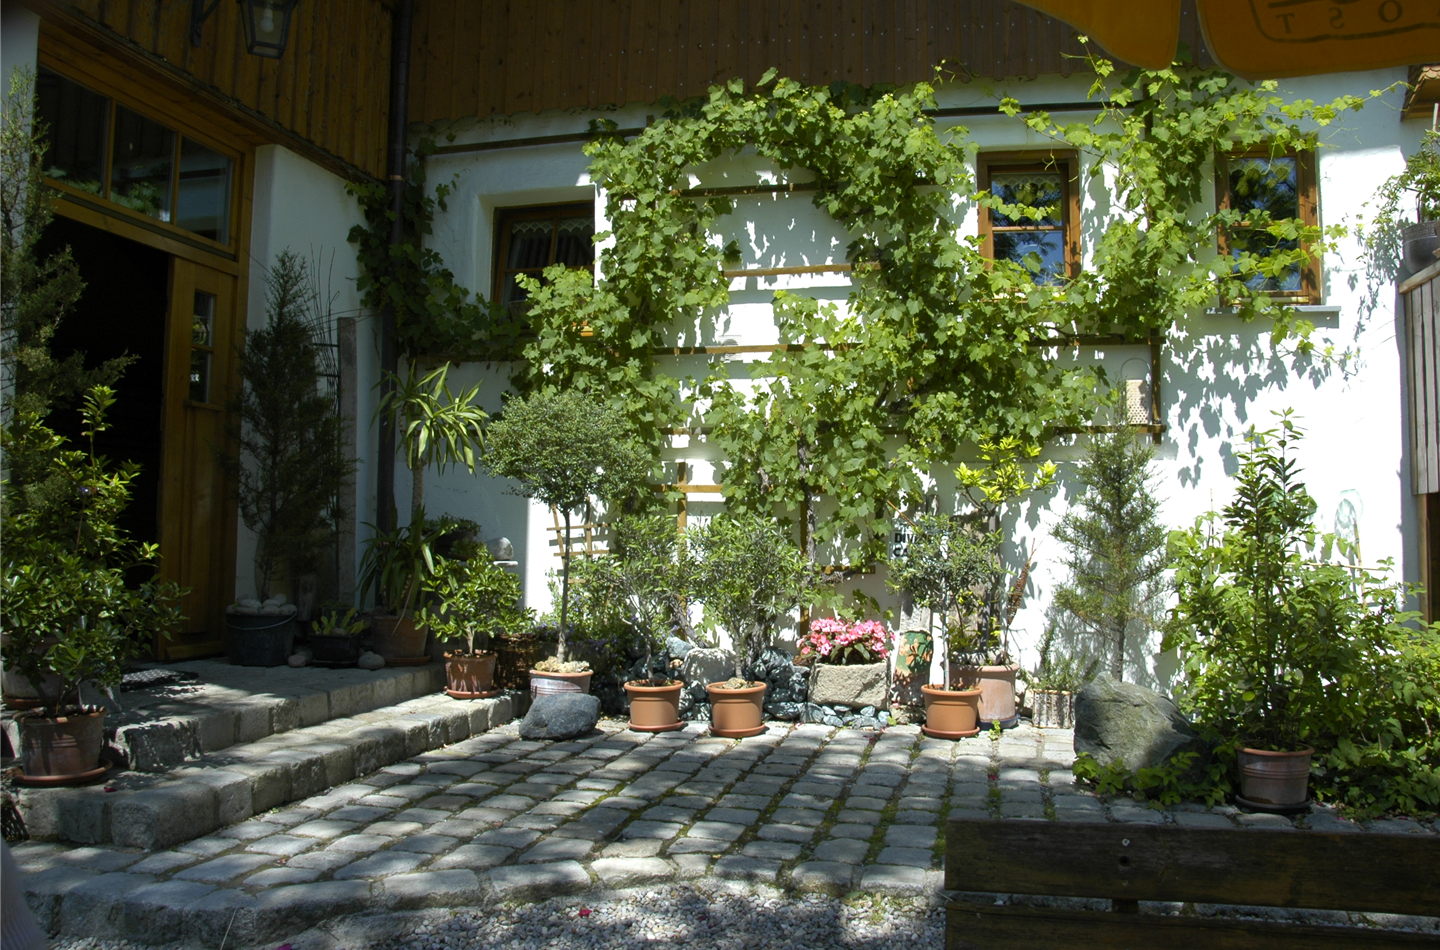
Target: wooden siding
{"points": [[1422, 343], [483, 58], [331, 89]]}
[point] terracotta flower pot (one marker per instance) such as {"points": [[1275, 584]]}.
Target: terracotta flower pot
{"points": [[736, 713], [66, 746], [1274, 778], [951, 713], [398, 637], [548, 684], [997, 692], [470, 676], [655, 708]]}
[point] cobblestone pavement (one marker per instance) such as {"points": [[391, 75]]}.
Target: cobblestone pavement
{"points": [[497, 819]]}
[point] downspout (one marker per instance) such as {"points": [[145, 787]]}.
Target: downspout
{"points": [[399, 100]]}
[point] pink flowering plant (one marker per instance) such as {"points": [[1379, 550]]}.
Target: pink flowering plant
{"points": [[831, 640]]}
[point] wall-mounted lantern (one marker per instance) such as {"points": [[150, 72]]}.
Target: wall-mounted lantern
{"points": [[266, 24]]}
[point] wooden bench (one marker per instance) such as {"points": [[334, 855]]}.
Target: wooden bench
{"points": [[1126, 864]]}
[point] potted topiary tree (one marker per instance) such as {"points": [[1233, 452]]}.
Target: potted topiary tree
{"points": [[440, 428], [749, 576], [944, 564], [565, 449], [289, 467], [68, 613], [1420, 183], [648, 575], [473, 600]]}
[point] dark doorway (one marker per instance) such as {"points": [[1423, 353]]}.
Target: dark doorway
{"points": [[123, 310]]}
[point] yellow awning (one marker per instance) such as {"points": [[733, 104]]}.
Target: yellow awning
{"points": [[1260, 39]]}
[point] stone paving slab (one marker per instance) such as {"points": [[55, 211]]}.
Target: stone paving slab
{"points": [[311, 763], [463, 825]]}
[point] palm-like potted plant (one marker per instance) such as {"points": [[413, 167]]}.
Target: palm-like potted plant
{"points": [[565, 449], [749, 576], [290, 465], [648, 576], [943, 567], [68, 614], [440, 428], [472, 601]]}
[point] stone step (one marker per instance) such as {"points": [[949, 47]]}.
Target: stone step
{"points": [[158, 729], [161, 810]]}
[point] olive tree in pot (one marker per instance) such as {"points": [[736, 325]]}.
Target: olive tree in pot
{"points": [[648, 574], [440, 428], [1273, 638], [289, 467], [472, 601], [944, 565], [565, 449], [67, 611], [749, 576]]}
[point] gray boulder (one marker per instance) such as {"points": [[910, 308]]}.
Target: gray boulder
{"points": [[1115, 720], [561, 716]]}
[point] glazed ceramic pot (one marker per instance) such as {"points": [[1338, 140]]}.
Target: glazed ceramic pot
{"points": [[736, 713], [951, 713], [655, 708]]}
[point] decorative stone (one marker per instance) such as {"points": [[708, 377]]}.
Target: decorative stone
{"points": [[677, 648], [270, 610], [370, 661], [248, 602], [561, 716], [704, 665], [857, 686], [501, 549], [275, 601], [298, 660], [1123, 721]]}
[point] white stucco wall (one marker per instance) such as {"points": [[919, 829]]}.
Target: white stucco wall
{"points": [[301, 207], [19, 39], [1218, 377]]}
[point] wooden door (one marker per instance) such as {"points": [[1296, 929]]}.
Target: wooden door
{"points": [[197, 515]]}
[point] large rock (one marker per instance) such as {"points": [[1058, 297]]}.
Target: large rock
{"points": [[703, 666], [856, 686], [561, 716], [1122, 721]]}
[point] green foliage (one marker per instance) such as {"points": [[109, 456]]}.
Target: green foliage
{"points": [[290, 464], [65, 605], [1116, 548], [437, 427], [1284, 647], [945, 566], [474, 598], [434, 315], [397, 564], [647, 577], [565, 447], [1420, 181], [1169, 783], [1057, 670], [749, 575], [1154, 131], [337, 620]]}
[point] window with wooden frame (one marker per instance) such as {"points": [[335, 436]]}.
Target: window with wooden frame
{"points": [[1260, 184], [103, 148], [1048, 183], [528, 240]]}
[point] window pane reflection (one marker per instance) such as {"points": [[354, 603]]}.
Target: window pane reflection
{"points": [[1047, 246], [203, 202], [142, 164], [1262, 188], [76, 122]]}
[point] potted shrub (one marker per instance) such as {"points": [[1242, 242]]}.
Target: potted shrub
{"points": [[1051, 686], [850, 662], [335, 635], [565, 448], [749, 577], [1271, 637], [1419, 182], [473, 600], [67, 611], [942, 567], [647, 576], [289, 468]]}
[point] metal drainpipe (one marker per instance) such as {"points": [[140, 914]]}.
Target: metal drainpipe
{"points": [[399, 100]]}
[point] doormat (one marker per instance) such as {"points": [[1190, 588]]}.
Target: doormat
{"points": [[149, 679]]}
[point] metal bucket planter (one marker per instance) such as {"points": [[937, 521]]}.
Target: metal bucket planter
{"points": [[548, 684], [259, 640]]}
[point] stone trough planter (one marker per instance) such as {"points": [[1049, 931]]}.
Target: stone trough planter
{"points": [[855, 686]]}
